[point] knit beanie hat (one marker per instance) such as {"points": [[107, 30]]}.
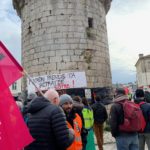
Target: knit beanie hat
{"points": [[51, 94], [31, 95], [65, 98], [139, 93]]}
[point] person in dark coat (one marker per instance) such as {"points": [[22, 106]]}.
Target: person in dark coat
{"points": [[147, 96], [100, 116], [78, 107], [31, 96], [144, 137], [47, 124], [124, 140]]}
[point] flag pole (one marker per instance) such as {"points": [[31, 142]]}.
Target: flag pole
{"points": [[25, 72]]}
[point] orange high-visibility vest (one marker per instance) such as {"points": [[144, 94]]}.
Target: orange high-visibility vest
{"points": [[77, 123]]}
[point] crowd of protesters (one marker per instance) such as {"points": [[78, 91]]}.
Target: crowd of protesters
{"points": [[62, 122], [128, 138]]}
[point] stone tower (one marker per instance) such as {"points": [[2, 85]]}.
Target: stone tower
{"points": [[65, 35]]}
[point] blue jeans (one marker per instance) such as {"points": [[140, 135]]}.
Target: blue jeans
{"points": [[127, 142]]}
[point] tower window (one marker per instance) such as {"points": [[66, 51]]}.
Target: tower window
{"points": [[90, 22]]}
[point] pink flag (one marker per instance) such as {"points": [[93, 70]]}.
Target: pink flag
{"points": [[126, 90], [14, 134], [10, 70]]}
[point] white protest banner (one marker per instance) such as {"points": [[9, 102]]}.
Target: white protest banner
{"points": [[58, 81]]}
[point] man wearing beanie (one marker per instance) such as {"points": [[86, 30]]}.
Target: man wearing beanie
{"points": [[124, 140], [144, 137], [73, 121], [47, 124]]}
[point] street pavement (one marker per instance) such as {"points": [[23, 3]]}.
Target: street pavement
{"points": [[112, 146], [109, 142], [109, 146]]}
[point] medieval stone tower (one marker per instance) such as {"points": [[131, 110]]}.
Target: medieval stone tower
{"points": [[65, 35]]}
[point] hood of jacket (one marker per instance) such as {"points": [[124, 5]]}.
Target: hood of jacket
{"points": [[38, 104], [120, 98], [78, 105]]}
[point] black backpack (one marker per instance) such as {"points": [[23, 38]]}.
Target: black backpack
{"points": [[100, 113]]}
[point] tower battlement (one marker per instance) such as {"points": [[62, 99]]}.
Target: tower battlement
{"points": [[19, 4]]}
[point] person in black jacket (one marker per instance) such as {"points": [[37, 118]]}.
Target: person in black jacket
{"points": [[78, 107], [31, 96], [124, 140], [100, 116], [47, 124], [147, 96], [144, 137]]}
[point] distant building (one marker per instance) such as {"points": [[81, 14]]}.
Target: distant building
{"points": [[143, 72], [131, 86], [15, 88]]}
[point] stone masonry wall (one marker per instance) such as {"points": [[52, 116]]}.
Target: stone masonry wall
{"points": [[64, 36]]}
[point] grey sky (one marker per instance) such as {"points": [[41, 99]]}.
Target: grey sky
{"points": [[10, 29], [128, 34]]}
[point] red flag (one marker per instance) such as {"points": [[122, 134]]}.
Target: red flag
{"points": [[14, 134], [10, 70], [126, 90]]}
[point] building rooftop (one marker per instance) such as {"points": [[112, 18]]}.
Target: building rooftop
{"points": [[141, 57]]}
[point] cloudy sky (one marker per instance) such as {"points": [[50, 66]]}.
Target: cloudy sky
{"points": [[128, 26]]}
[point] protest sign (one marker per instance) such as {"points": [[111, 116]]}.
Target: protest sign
{"points": [[58, 81]]}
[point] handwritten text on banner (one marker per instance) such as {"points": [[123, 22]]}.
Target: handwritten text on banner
{"points": [[58, 81]]}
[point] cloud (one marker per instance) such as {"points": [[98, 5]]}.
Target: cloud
{"points": [[128, 34], [128, 6], [10, 33]]}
